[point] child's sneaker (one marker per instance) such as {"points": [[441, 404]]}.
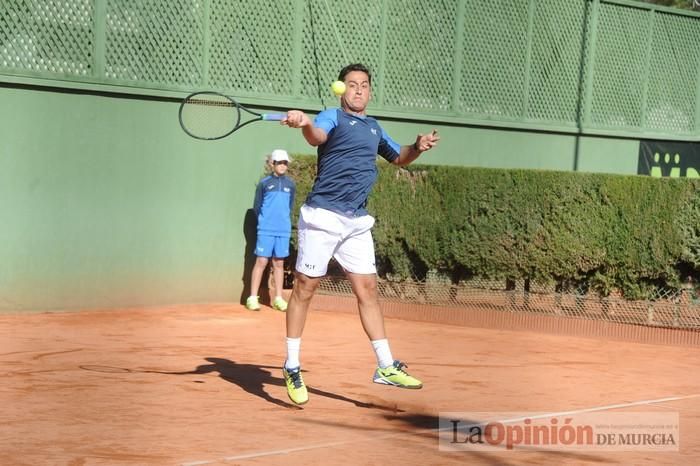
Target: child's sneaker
{"points": [[396, 376], [279, 304], [252, 303]]}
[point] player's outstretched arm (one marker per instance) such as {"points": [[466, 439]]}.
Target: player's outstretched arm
{"points": [[298, 119], [424, 142]]}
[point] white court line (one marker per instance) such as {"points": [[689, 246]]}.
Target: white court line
{"points": [[603, 408], [316, 446]]}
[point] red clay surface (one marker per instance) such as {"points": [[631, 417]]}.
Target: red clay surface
{"points": [[202, 384]]}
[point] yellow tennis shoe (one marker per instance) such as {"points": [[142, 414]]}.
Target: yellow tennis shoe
{"points": [[396, 375], [295, 385], [252, 303], [279, 303]]}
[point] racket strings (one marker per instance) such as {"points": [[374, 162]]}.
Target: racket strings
{"points": [[209, 102], [209, 116]]}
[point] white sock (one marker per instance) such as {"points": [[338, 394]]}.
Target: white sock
{"points": [[293, 347], [383, 353]]}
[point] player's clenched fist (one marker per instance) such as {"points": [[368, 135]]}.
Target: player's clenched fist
{"points": [[296, 119]]}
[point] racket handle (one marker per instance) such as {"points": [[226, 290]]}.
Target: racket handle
{"points": [[274, 116]]}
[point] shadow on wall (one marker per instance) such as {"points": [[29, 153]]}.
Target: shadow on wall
{"points": [[250, 235]]}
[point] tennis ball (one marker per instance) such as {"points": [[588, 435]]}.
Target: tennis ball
{"points": [[338, 88]]}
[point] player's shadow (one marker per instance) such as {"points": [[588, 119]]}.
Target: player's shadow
{"points": [[253, 378]]}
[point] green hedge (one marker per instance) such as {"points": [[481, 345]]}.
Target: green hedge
{"points": [[605, 232]]}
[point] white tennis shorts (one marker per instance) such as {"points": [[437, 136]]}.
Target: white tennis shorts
{"points": [[324, 234]]}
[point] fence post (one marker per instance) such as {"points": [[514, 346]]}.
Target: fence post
{"points": [[458, 50], [588, 62], [206, 43], [511, 290], [381, 67], [528, 58], [298, 47], [526, 294], [647, 66], [697, 103], [683, 301], [100, 38], [558, 297]]}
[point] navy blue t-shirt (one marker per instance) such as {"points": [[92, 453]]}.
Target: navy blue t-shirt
{"points": [[347, 167]]}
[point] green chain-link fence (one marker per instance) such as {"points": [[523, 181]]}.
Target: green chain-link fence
{"points": [[600, 66], [678, 309]]}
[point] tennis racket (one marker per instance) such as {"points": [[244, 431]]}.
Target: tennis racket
{"points": [[210, 115]]}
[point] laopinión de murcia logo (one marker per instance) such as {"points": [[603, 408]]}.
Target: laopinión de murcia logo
{"points": [[611, 431]]}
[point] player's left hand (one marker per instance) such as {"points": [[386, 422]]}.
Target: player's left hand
{"points": [[426, 142]]}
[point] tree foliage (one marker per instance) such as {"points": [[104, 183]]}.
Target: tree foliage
{"points": [[606, 232]]}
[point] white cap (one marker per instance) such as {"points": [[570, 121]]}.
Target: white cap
{"points": [[278, 155]]}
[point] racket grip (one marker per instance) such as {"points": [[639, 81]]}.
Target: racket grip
{"points": [[274, 116]]}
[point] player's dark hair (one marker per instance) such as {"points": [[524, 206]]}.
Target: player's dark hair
{"points": [[354, 67]]}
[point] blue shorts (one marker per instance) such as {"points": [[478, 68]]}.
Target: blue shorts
{"points": [[272, 246]]}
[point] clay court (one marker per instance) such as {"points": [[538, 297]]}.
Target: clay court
{"points": [[201, 384]]}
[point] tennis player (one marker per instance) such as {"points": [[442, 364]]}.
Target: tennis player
{"points": [[334, 222]]}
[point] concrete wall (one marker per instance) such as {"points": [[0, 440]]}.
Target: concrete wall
{"points": [[105, 202]]}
